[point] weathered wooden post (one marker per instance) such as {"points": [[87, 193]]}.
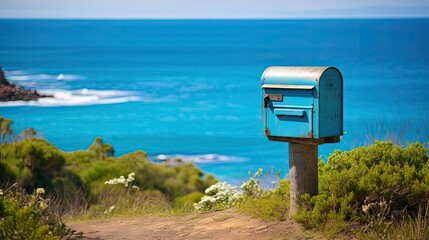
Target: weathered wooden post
{"points": [[302, 106], [302, 172]]}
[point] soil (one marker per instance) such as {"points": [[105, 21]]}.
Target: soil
{"points": [[227, 224]]}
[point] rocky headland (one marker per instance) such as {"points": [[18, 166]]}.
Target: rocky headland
{"points": [[12, 92]]}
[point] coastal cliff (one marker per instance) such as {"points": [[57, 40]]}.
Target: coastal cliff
{"points": [[12, 92]]}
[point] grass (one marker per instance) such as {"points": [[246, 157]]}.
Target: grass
{"points": [[408, 228], [123, 206], [399, 130], [270, 205]]}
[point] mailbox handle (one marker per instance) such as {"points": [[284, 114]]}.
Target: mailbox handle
{"points": [[289, 112]]}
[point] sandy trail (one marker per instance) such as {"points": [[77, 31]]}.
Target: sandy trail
{"points": [[227, 224]]}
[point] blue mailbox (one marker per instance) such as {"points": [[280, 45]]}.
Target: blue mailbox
{"points": [[302, 104]]}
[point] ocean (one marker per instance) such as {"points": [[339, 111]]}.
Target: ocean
{"points": [[191, 88]]}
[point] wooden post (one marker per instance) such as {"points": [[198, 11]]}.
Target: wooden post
{"points": [[303, 173]]}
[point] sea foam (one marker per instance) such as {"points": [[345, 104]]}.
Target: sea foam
{"points": [[201, 158], [42, 77], [79, 97]]}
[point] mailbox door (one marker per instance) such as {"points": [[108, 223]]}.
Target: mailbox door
{"points": [[289, 111]]}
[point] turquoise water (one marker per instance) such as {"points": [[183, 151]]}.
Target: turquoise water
{"points": [[192, 88]]}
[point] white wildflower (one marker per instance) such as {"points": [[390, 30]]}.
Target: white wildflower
{"points": [[122, 180], [365, 208], [43, 205], [131, 177], [220, 193], [251, 187], [40, 191], [109, 210]]}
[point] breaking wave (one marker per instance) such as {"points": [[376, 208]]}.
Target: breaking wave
{"points": [[21, 76], [80, 97], [202, 158]]}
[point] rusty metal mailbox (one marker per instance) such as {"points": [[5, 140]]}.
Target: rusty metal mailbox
{"points": [[302, 104]]}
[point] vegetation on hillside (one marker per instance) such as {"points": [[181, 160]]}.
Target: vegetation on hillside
{"points": [[3, 80], [375, 192], [26, 216], [78, 182], [379, 186], [372, 192]]}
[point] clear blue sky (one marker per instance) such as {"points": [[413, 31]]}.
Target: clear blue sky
{"points": [[144, 9]]}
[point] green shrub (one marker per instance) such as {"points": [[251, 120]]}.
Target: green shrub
{"points": [[76, 180], [5, 126], [101, 149], [173, 181], [36, 163], [3, 80], [252, 187], [353, 182], [187, 201], [270, 205], [24, 216]]}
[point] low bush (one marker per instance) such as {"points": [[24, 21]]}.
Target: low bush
{"points": [[373, 185], [172, 181], [269, 205], [76, 180], [37, 163], [187, 201], [375, 192], [28, 216]]}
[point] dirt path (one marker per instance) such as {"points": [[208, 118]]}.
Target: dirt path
{"points": [[214, 225]]}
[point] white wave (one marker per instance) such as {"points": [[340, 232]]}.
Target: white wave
{"points": [[60, 77], [68, 77], [80, 97], [202, 158], [17, 72], [43, 76], [30, 77]]}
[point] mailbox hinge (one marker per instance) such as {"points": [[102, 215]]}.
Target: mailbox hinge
{"points": [[266, 98]]}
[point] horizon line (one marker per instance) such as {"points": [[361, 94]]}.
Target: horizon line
{"points": [[220, 18]]}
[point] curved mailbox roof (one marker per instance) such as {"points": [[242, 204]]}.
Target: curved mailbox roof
{"points": [[293, 76]]}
